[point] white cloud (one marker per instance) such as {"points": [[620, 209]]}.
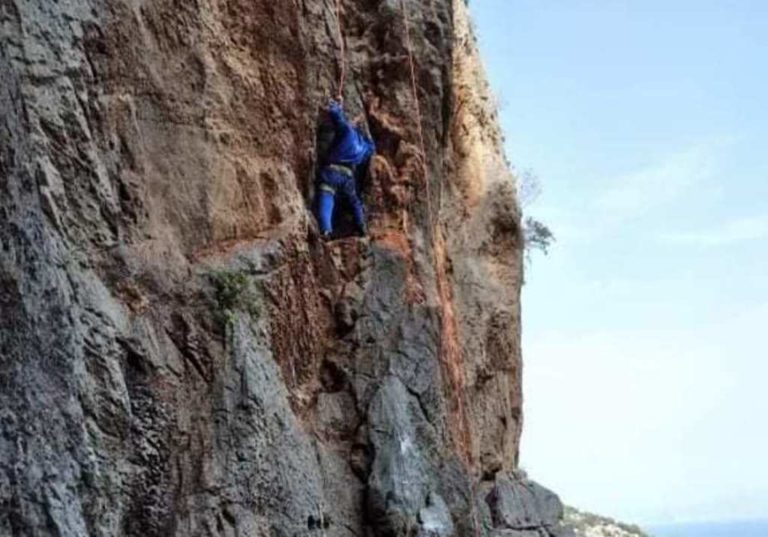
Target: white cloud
{"points": [[634, 194], [738, 230]]}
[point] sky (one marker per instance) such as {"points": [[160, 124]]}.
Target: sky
{"points": [[644, 335]]}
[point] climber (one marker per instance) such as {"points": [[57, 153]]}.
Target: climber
{"points": [[350, 148]]}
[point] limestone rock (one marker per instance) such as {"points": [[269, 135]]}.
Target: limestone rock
{"points": [[180, 355]]}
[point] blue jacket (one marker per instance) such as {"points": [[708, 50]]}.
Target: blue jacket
{"points": [[350, 146]]}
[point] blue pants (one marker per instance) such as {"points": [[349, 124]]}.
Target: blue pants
{"points": [[343, 185]]}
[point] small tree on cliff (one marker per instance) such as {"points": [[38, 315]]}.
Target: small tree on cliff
{"points": [[536, 234]]}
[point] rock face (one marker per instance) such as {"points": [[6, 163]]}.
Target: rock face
{"points": [[179, 353]]}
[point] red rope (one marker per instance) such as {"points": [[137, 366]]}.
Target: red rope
{"points": [[343, 60], [435, 229], [417, 105]]}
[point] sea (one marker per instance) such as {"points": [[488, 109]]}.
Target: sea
{"points": [[756, 528]]}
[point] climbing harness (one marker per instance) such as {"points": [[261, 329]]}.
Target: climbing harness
{"points": [[344, 170], [343, 54], [327, 188]]}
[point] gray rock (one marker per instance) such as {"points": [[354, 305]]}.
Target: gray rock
{"points": [[520, 504], [336, 413], [178, 355], [435, 518], [399, 481]]}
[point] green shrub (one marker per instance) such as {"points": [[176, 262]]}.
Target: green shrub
{"points": [[234, 292]]}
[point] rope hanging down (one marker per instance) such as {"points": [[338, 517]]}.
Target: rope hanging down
{"points": [[417, 105], [422, 148], [343, 49], [435, 230]]}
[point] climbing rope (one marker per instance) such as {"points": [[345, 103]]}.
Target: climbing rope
{"points": [[343, 54], [423, 155], [436, 235], [417, 105]]}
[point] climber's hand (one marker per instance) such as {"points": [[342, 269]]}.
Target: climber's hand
{"points": [[335, 113]]}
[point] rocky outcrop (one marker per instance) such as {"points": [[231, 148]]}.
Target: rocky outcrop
{"points": [[179, 353]]}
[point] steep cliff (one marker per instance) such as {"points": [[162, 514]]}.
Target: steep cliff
{"points": [[179, 353]]}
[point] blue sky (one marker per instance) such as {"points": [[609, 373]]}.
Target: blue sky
{"points": [[646, 360]]}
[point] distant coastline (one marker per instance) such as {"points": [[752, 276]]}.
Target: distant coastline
{"points": [[740, 528]]}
